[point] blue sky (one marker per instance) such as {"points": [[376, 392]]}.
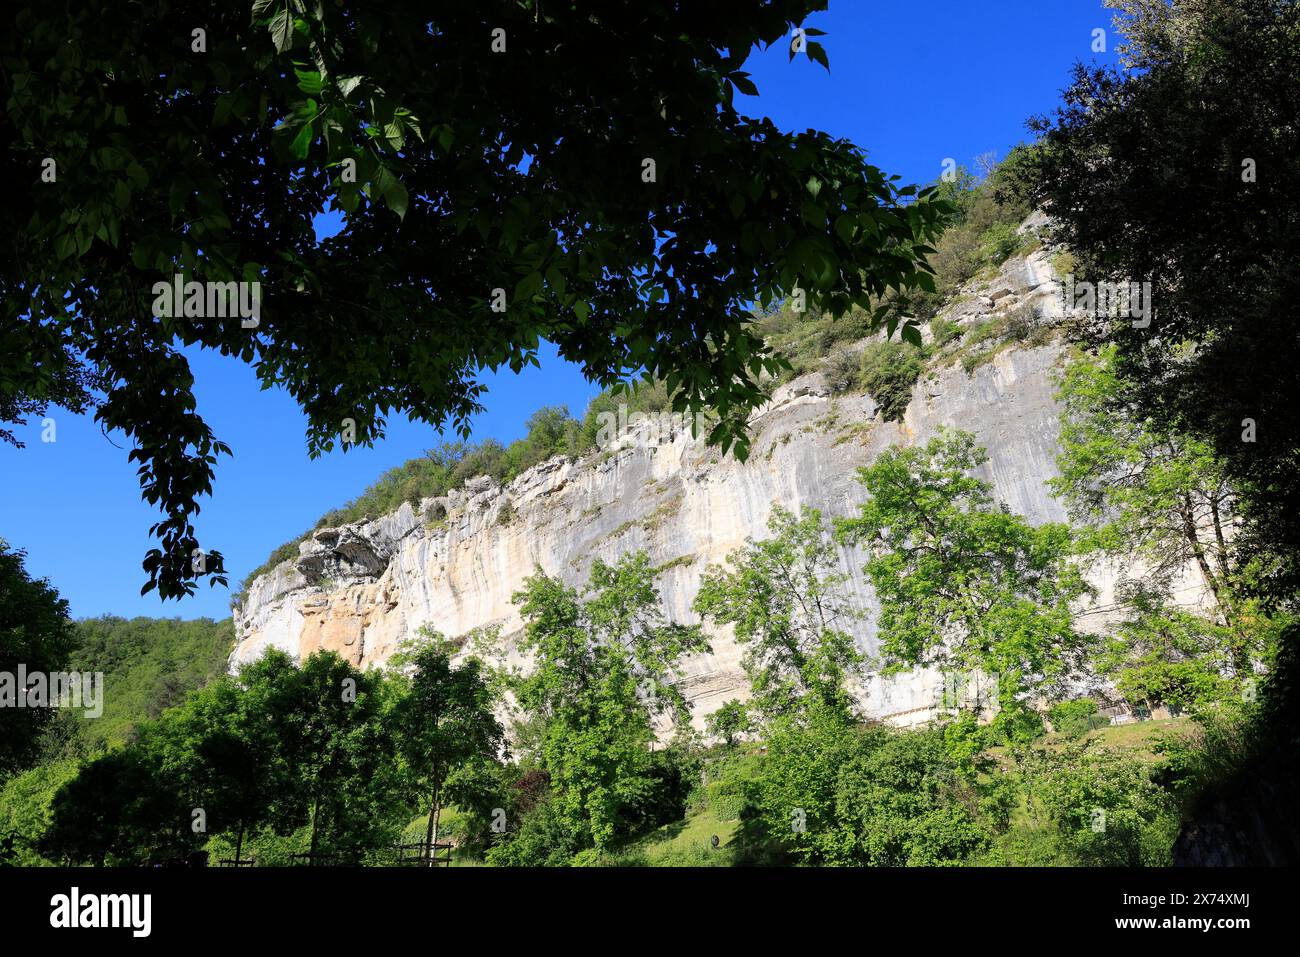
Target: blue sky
{"points": [[912, 84]]}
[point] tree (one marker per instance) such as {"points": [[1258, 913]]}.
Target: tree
{"points": [[1175, 169], [1151, 495], [781, 596], [95, 816], [835, 792], [334, 749], [729, 722], [230, 756], [1157, 500], [35, 632], [604, 667], [457, 145], [963, 583], [442, 722]]}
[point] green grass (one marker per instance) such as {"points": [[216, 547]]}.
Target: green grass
{"points": [[1137, 738], [685, 843]]}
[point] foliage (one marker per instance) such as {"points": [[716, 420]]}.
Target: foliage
{"points": [[1150, 494], [1107, 809], [604, 667], [419, 148], [149, 665], [25, 811], [34, 632], [962, 583], [836, 793], [780, 595], [281, 747], [1073, 719], [1157, 500], [443, 721], [728, 722], [334, 739], [1184, 138], [889, 371]]}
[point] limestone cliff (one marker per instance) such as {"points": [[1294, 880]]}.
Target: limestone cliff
{"points": [[360, 589]]}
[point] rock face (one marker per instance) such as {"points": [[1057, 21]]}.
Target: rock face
{"points": [[359, 590]]}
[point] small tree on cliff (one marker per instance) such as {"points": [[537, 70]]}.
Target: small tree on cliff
{"points": [[443, 721]]}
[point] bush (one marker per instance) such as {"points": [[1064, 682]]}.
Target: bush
{"points": [[1073, 719], [889, 371], [841, 371], [726, 798], [1021, 323], [1108, 810], [998, 242], [943, 332]]}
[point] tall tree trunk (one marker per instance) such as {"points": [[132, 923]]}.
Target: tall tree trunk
{"points": [[437, 815], [1217, 587], [429, 828], [315, 830], [435, 812], [239, 841]]}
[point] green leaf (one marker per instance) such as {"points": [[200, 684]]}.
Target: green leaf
{"points": [[302, 142], [282, 30], [395, 134], [743, 83], [309, 81]]}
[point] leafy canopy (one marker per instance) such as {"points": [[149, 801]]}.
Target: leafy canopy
{"points": [[458, 171], [604, 666], [965, 584]]}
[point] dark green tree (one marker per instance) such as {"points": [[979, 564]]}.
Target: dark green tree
{"points": [[458, 143], [1180, 169], [35, 631], [442, 721], [335, 750]]}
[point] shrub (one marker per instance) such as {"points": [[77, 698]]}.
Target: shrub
{"points": [[506, 515], [998, 242], [841, 370], [1073, 719], [1021, 323], [943, 332], [726, 798], [889, 371]]}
